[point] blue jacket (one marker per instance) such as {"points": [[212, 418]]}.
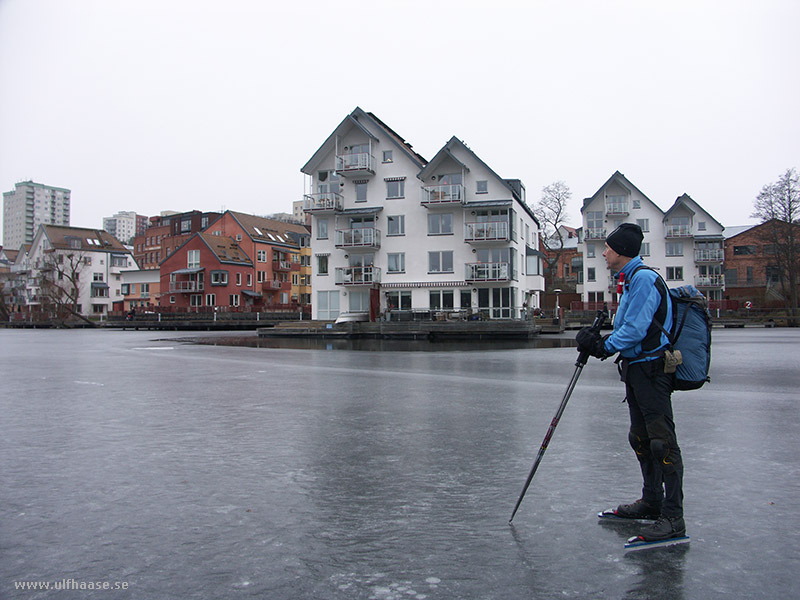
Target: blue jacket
{"points": [[637, 306]]}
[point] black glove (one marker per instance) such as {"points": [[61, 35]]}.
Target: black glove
{"points": [[592, 343]]}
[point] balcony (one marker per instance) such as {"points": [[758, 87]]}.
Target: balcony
{"points": [[678, 231], [357, 275], [281, 265], [617, 208], [709, 256], [355, 164], [276, 286], [366, 237], [595, 233], [487, 271], [486, 232], [442, 194], [709, 281], [186, 287], [322, 202]]}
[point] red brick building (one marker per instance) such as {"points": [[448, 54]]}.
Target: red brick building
{"points": [[752, 267], [166, 233], [207, 273]]}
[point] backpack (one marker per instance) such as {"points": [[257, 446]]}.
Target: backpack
{"points": [[691, 334]]}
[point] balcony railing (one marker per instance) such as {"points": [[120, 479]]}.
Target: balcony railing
{"points": [[355, 163], [186, 286], [281, 265], [357, 275], [366, 237], [273, 286], [322, 202], [487, 271], [709, 281], [486, 231], [673, 231], [617, 208], [442, 194], [715, 255], [596, 233]]}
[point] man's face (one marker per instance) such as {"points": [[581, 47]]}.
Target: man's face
{"points": [[614, 261]]}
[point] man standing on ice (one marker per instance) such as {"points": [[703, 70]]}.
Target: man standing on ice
{"points": [[641, 344]]}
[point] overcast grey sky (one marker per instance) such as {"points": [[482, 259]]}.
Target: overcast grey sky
{"points": [[149, 105]]}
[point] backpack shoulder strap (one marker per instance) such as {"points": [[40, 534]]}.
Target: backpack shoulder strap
{"points": [[664, 291]]}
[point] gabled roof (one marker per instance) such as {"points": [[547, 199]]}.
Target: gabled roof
{"points": [[619, 178], [514, 186], [689, 204], [90, 240], [270, 231], [372, 127], [225, 249], [735, 230]]}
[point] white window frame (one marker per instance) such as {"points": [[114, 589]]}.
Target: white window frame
{"points": [[436, 264]]}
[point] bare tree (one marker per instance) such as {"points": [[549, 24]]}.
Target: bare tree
{"points": [[60, 286], [551, 212], [778, 206]]}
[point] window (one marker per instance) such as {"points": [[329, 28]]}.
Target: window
{"points": [[440, 262], [249, 279], [322, 265], [322, 229], [674, 249], [186, 225], [126, 289], [395, 188], [396, 225], [196, 300], [482, 187], [440, 224], [731, 277], [590, 274], [238, 279], [233, 300], [327, 305], [97, 277], [398, 300], [637, 203], [645, 249], [440, 299], [644, 224], [674, 273], [261, 256], [743, 250], [193, 259], [701, 226], [387, 156], [397, 262], [219, 278], [204, 223], [145, 289], [590, 250], [361, 191], [749, 274]]}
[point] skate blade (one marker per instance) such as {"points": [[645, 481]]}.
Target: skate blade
{"points": [[611, 515], [636, 543]]}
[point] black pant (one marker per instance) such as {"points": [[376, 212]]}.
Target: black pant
{"points": [[652, 435]]}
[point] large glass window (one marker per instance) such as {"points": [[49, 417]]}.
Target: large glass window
{"points": [[327, 305], [399, 300], [396, 225], [440, 261], [440, 224], [441, 299], [396, 262], [193, 259]]}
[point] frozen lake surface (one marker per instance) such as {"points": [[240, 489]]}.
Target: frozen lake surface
{"points": [[201, 471]]}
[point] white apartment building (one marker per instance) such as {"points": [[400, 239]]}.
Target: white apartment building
{"points": [[125, 225], [29, 205], [93, 258], [393, 233], [684, 244]]}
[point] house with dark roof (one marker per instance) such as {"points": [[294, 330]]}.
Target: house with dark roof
{"points": [[207, 273], [683, 243], [76, 269], [394, 233]]}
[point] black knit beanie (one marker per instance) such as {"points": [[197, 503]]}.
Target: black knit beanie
{"points": [[626, 240]]}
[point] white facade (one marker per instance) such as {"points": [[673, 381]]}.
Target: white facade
{"points": [[30, 205], [122, 226], [101, 259], [684, 244], [392, 232]]}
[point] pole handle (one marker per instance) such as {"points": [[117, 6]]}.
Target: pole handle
{"points": [[599, 319]]}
